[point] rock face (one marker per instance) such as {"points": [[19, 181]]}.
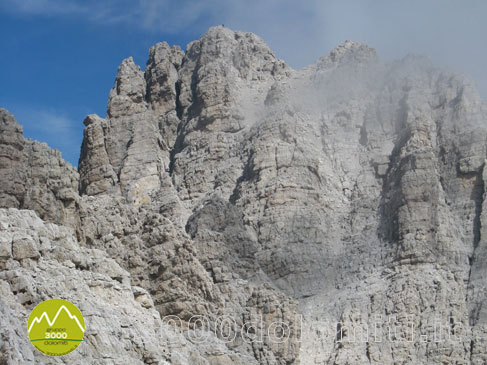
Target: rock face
{"points": [[12, 190], [128, 152], [35, 177], [330, 215]]}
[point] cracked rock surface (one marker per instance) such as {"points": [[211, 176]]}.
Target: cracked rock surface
{"points": [[329, 215]]}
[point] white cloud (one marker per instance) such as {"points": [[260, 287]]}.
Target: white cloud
{"points": [[42, 7], [449, 31], [156, 15], [49, 121]]}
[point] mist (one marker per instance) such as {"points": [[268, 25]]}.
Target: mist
{"points": [[451, 33]]}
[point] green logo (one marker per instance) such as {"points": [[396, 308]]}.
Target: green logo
{"points": [[56, 327]]}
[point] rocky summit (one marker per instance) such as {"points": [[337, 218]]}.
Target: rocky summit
{"points": [[229, 209]]}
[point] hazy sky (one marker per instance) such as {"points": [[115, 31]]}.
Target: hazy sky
{"points": [[60, 57]]}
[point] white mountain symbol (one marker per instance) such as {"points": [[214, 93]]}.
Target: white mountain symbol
{"points": [[51, 323]]}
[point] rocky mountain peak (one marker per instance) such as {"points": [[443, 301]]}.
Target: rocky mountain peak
{"points": [[349, 52], [159, 52], [161, 75], [128, 94], [245, 52], [346, 199], [8, 121]]}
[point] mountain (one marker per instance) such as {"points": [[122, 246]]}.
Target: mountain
{"points": [[329, 215]]}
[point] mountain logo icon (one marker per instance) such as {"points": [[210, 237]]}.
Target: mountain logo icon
{"points": [[56, 327]]}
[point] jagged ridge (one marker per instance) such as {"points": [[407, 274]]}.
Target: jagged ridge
{"points": [[223, 182]]}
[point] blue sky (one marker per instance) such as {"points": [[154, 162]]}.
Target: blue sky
{"points": [[59, 57]]}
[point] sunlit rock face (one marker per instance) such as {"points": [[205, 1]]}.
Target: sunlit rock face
{"points": [[329, 215]]}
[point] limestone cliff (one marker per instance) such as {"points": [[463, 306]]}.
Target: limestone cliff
{"points": [[344, 202]]}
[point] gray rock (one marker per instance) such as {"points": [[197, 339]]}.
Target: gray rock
{"points": [[340, 207], [24, 247], [5, 246], [12, 187], [97, 174], [35, 176], [51, 185]]}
